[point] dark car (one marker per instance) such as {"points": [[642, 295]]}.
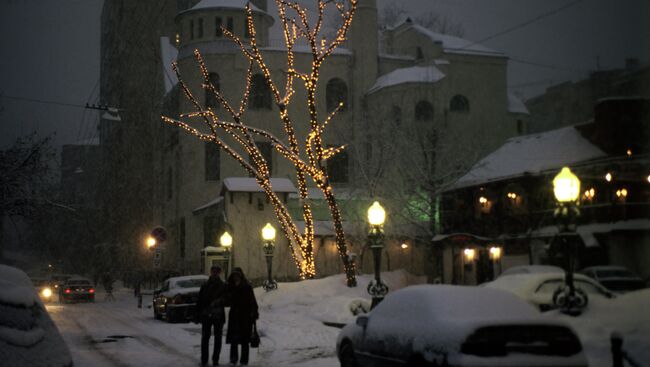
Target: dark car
{"points": [[28, 336], [176, 300], [76, 289], [440, 325], [615, 278]]}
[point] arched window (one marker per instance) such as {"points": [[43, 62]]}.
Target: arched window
{"points": [[459, 103], [423, 111], [396, 115], [336, 93], [260, 96], [210, 99]]}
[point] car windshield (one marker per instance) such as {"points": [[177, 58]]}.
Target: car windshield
{"points": [[614, 273], [190, 283], [78, 282]]}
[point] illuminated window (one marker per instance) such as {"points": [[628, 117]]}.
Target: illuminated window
{"points": [[336, 93], [459, 103], [424, 111], [260, 93]]}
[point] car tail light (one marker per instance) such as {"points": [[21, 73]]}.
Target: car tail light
{"points": [[91, 290], [67, 291]]}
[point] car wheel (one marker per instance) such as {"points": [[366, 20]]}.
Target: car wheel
{"points": [[347, 357]]}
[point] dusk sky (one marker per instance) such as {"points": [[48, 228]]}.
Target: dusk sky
{"points": [[51, 51]]}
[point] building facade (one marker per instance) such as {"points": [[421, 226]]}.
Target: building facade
{"points": [[442, 90]]}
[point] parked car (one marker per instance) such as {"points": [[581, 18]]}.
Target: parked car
{"points": [[538, 289], [44, 288], [434, 325], [615, 278], [176, 300], [28, 336], [59, 279], [532, 269], [76, 289]]}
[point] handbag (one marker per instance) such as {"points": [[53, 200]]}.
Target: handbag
{"points": [[255, 337]]}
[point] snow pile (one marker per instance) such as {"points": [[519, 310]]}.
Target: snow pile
{"points": [[16, 288], [628, 315], [414, 74]]}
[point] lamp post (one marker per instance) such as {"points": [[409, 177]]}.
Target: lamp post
{"points": [[226, 244], [151, 242], [495, 256], [376, 217], [566, 187], [268, 235]]}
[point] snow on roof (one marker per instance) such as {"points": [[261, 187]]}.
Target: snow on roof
{"points": [[209, 204], [414, 74], [452, 44], [229, 4], [15, 287], [304, 49], [516, 105], [249, 184], [111, 116], [587, 231], [168, 54], [532, 154]]}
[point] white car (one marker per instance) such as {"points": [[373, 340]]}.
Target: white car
{"points": [[615, 278], [442, 325], [538, 289], [176, 299], [28, 337], [532, 269]]}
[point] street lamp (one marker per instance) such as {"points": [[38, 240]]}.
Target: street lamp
{"points": [[566, 187], [376, 217], [268, 235], [495, 256], [226, 244], [151, 242]]}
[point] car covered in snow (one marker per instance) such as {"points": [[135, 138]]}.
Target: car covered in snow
{"points": [[177, 297], [532, 269], [443, 325], [538, 289], [76, 289], [615, 278], [28, 337]]}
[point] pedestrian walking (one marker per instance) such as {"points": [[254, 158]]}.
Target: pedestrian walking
{"points": [[242, 316], [211, 314]]}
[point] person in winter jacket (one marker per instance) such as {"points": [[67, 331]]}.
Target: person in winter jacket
{"points": [[210, 313], [242, 315]]}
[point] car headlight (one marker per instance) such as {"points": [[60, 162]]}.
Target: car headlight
{"points": [[46, 292]]}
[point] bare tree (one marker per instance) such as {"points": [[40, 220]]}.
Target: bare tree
{"points": [[307, 154]]}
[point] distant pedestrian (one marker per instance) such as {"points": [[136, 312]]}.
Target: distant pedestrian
{"points": [[242, 315], [210, 313]]}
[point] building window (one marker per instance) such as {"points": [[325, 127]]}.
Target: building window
{"points": [[218, 23], [336, 93], [266, 149], [191, 29], [181, 239], [423, 111], [419, 55], [229, 24], [211, 227], [210, 98], [396, 115], [212, 161], [200, 30], [337, 167], [520, 127], [260, 93], [170, 189], [459, 103]]}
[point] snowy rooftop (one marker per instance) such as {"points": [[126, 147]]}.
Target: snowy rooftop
{"points": [[168, 54], [532, 154], [249, 184], [228, 4], [588, 231], [457, 45], [516, 105], [209, 204], [414, 74]]}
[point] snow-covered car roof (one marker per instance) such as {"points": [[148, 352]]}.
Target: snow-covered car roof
{"points": [[524, 285], [188, 277], [532, 269]]}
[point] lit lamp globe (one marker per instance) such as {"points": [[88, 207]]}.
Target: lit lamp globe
{"points": [[376, 215], [151, 242], [226, 240], [566, 186], [268, 233]]}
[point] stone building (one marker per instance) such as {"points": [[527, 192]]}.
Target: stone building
{"points": [[406, 77]]}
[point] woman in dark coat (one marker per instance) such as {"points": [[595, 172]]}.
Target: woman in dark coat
{"points": [[242, 315]]}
